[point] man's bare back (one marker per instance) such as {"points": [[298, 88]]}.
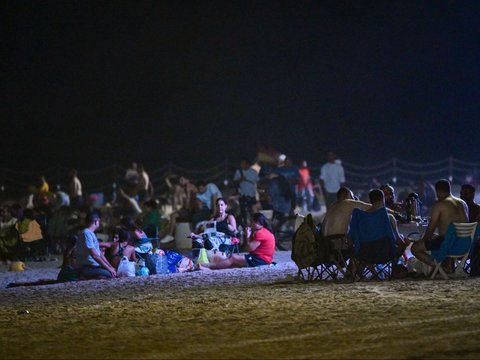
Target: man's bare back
{"points": [[444, 212], [448, 209], [337, 219]]}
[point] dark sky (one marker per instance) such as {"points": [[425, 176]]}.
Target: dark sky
{"points": [[91, 83]]}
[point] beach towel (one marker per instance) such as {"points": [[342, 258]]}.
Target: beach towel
{"points": [[452, 244]]}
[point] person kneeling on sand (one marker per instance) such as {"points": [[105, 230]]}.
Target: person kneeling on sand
{"points": [[260, 243]]}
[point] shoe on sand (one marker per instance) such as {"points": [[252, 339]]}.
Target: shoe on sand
{"points": [[166, 239]]}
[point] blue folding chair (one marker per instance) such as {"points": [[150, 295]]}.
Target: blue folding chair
{"points": [[374, 244]]}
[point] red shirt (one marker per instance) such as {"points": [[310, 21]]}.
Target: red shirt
{"points": [[267, 245], [305, 181]]}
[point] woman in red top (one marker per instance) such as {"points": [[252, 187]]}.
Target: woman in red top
{"points": [[260, 243]]}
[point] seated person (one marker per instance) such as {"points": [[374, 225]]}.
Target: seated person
{"points": [[446, 210], [339, 214], [206, 199], [68, 270], [91, 263], [136, 233], [151, 218], [119, 247], [30, 232], [225, 223], [260, 243], [390, 201], [378, 201], [467, 194], [8, 235]]}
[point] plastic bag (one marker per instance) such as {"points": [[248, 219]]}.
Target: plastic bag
{"points": [[126, 268]]}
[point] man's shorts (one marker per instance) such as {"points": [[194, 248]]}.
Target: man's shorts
{"points": [[434, 243], [253, 261]]}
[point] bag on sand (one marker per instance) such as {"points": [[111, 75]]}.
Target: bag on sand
{"points": [[177, 262], [157, 264], [126, 268]]}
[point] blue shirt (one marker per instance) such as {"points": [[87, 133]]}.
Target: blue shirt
{"points": [[206, 197], [86, 241]]}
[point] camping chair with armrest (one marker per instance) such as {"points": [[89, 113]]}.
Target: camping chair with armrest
{"points": [[373, 244], [338, 250], [456, 245], [315, 255]]}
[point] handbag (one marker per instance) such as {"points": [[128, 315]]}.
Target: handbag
{"points": [[126, 268]]}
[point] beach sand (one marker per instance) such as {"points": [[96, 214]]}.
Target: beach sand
{"points": [[237, 313]]}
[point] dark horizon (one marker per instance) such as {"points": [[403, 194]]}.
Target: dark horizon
{"points": [[89, 84]]}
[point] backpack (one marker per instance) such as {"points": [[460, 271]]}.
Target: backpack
{"points": [[305, 244]]}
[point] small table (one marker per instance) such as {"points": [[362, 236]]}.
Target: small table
{"points": [[412, 230]]}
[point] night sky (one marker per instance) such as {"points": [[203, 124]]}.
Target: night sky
{"points": [[92, 83]]}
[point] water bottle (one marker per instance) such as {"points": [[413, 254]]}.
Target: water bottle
{"points": [[142, 269]]}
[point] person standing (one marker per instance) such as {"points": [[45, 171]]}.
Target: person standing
{"points": [[305, 188], [75, 189], [91, 263], [143, 185], [332, 178], [245, 178]]}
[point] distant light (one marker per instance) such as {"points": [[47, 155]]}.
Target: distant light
{"points": [[2, 188], [114, 185], [394, 179], [225, 182], [450, 178]]}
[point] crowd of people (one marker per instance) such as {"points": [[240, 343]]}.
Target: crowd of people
{"points": [[66, 223], [447, 210]]}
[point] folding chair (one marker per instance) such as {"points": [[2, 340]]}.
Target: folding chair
{"points": [[314, 255], [373, 244], [339, 249], [459, 246], [304, 250]]}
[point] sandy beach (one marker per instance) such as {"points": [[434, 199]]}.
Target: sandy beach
{"points": [[239, 313]]}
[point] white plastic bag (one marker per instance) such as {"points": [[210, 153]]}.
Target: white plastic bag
{"points": [[126, 268]]}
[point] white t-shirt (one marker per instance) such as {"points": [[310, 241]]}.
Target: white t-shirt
{"points": [[333, 176]]}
